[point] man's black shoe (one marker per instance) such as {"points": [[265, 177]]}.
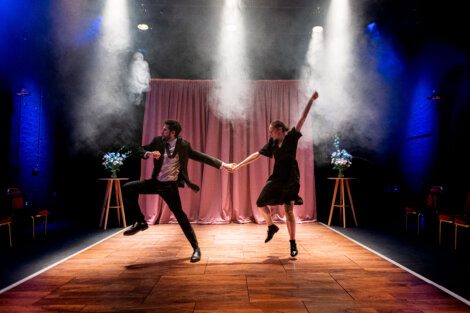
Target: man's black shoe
{"points": [[196, 257], [272, 229], [134, 229]]}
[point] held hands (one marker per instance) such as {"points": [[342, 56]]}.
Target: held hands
{"points": [[230, 167]]}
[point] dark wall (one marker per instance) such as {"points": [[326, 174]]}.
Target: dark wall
{"points": [[6, 109], [27, 120], [454, 108]]}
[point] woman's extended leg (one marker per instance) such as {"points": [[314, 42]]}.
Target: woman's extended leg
{"points": [[290, 221]]}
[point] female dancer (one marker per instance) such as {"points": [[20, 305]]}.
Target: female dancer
{"points": [[283, 185]]}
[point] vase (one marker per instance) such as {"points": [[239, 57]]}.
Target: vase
{"points": [[340, 173], [113, 173]]}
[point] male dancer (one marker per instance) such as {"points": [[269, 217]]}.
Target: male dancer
{"points": [[170, 156]]}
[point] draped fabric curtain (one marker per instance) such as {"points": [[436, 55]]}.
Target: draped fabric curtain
{"points": [[225, 197]]}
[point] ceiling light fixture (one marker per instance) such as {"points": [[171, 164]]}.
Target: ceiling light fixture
{"points": [[143, 27], [317, 29]]}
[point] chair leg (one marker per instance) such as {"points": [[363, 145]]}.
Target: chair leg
{"points": [[418, 216], [33, 223], [440, 232], [456, 233], [455, 237], [440, 229], [406, 222], [9, 234]]}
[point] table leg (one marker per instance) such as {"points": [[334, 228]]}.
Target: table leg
{"points": [[121, 204], [118, 204], [108, 202], [333, 202], [343, 203], [106, 196], [351, 202]]}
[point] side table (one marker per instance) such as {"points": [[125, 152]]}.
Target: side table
{"points": [[340, 183], [113, 183]]}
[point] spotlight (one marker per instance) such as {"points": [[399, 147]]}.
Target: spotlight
{"points": [[231, 27], [317, 29], [143, 27]]}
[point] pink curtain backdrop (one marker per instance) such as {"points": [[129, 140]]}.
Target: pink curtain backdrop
{"points": [[225, 197]]}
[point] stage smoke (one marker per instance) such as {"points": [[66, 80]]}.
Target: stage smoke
{"points": [[231, 97], [353, 96], [139, 78], [102, 115]]}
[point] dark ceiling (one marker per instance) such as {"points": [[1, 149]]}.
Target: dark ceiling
{"points": [[182, 40], [183, 37]]}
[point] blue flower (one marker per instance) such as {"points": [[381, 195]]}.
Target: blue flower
{"points": [[340, 158], [113, 160]]}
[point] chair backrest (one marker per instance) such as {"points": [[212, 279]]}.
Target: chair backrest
{"points": [[17, 199], [13, 191], [466, 207], [433, 197]]}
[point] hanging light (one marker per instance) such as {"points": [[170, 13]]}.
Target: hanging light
{"points": [[143, 27]]}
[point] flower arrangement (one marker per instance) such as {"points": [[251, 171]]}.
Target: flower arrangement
{"points": [[112, 161], [340, 158]]}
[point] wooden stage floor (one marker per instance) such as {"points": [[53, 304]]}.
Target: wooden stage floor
{"points": [[151, 272]]}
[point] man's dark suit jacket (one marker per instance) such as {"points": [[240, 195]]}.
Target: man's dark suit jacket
{"points": [[185, 152]]}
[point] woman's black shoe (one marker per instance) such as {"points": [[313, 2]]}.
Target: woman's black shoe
{"points": [[293, 248], [272, 229], [196, 257]]}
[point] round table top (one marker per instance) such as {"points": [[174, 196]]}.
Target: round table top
{"points": [[114, 178], [345, 178]]}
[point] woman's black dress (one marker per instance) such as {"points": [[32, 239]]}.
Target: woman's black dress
{"points": [[283, 185]]}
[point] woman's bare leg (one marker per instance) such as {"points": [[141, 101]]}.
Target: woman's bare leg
{"points": [[266, 214], [290, 219]]}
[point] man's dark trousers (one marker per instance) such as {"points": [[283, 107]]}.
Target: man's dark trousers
{"points": [[169, 193]]}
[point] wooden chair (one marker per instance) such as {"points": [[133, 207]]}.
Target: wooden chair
{"points": [[6, 218], [457, 219], [17, 199], [446, 218], [431, 205], [462, 220], [6, 221], [40, 214]]}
